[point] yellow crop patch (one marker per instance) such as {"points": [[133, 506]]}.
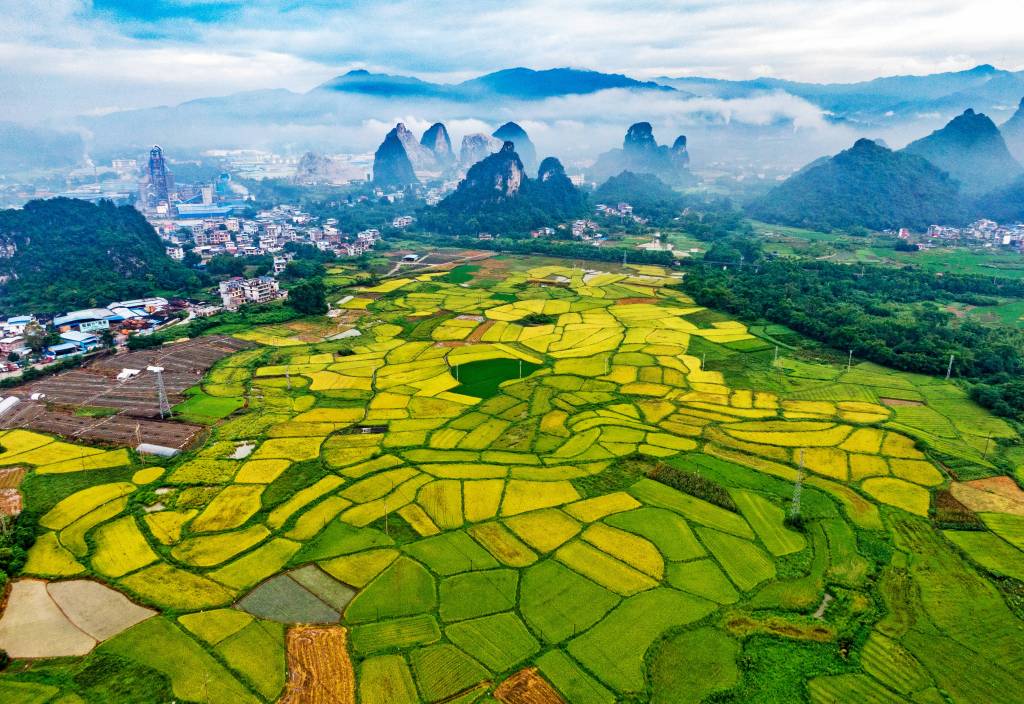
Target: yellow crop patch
{"points": [[898, 493], [82, 502], [917, 471], [590, 510], [522, 496], [209, 550], [481, 499], [809, 438], [866, 441], [544, 530], [603, 569], [120, 548], [232, 507], [633, 550]]}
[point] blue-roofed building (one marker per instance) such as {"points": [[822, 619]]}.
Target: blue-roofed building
{"points": [[91, 318], [85, 341], [65, 349]]}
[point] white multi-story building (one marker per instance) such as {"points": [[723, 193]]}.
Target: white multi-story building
{"points": [[238, 291]]}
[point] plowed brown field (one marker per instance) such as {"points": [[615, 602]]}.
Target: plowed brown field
{"points": [[319, 669], [527, 687]]}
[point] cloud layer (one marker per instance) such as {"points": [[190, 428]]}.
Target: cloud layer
{"points": [[63, 57]]}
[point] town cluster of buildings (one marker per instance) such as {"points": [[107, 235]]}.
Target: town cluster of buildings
{"points": [[586, 230], [266, 233], [621, 210], [985, 233]]}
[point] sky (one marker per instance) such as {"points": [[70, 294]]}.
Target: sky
{"points": [[64, 57]]}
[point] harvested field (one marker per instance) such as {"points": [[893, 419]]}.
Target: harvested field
{"points": [[96, 384], [95, 608], [995, 494], [10, 497], [319, 669], [527, 687], [119, 430], [136, 400], [10, 502], [33, 626], [10, 478]]}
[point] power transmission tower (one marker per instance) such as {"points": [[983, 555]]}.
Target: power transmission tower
{"points": [[794, 510], [849, 361], [949, 369], [165, 406]]}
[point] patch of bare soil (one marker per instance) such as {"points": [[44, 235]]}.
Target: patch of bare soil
{"points": [[527, 687], [319, 668], [893, 402]]}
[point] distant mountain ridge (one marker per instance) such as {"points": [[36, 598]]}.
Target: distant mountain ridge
{"points": [[886, 97], [971, 149], [518, 83]]}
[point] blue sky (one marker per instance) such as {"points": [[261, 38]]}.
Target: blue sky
{"points": [[61, 57]]}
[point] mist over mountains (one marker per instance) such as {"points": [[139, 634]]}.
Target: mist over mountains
{"points": [[573, 113]]}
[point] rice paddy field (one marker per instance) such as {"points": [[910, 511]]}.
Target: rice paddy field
{"points": [[531, 482]]}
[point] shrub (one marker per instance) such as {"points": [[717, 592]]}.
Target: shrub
{"points": [[694, 485]]}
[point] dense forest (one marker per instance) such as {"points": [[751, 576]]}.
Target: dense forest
{"points": [[72, 253], [884, 315]]}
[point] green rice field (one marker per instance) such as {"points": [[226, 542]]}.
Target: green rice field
{"points": [[557, 484]]}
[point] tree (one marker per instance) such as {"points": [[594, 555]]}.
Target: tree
{"points": [[37, 338], [309, 297]]}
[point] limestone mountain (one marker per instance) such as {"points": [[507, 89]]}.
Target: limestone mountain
{"points": [[498, 197], [679, 155], [498, 176], [1013, 133], [642, 154], [424, 161], [970, 149], [315, 168], [866, 186], [476, 147], [511, 132], [436, 139], [554, 194], [392, 167]]}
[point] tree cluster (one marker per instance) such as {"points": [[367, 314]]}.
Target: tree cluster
{"points": [[889, 316]]}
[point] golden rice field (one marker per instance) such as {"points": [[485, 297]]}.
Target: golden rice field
{"points": [[635, 503]]}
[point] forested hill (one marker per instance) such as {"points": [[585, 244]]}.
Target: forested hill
{"points": [[884, 315], [867, 186], [71, 253]]}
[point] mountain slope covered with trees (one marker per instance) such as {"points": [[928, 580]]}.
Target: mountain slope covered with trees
{"points": [[71, 253], [864, 186]]}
